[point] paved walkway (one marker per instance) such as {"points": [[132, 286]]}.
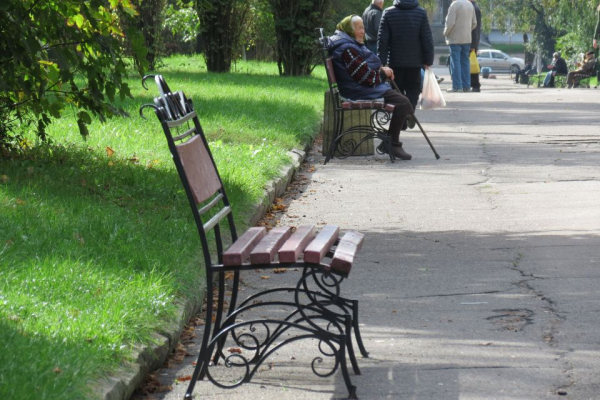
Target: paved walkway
{"points": [[480, 274]]}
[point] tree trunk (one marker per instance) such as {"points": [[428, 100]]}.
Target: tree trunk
{"points": [[149, 23], [295, 24], [221, 24]]}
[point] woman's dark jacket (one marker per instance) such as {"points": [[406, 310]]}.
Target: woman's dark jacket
{"points": [[347, 85], [560, 67], [476, 33], [405, 38]]}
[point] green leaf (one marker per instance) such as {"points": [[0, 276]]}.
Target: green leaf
{"points": [[83, 129], [84, 117]]}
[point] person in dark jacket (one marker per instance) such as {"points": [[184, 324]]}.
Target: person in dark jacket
{"points": [[475, 37], [371, 19], [360, 76], [558, 67], [405, 43], [596, 37]]}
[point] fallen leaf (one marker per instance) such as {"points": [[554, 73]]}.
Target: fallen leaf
{"points": [[152, 164], [278, 207], [184, 378], [109, 152], [235, 350], [265, 277], [280, 270], [57, 370]]}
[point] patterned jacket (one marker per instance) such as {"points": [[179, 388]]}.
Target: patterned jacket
{"points": [[357, 69]]}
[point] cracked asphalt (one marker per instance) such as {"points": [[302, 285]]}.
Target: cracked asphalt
{"points": [[480, 273]]}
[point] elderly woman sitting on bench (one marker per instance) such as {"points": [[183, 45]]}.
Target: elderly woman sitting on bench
{"points": [[360, 76]]}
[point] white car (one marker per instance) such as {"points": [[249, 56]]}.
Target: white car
{"points": [[499, 61]]}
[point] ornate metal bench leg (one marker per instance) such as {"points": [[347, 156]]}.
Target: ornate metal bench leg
{"points": [[204, 356], [356, 327], [350, 348], [344, 367], [219, 314]]}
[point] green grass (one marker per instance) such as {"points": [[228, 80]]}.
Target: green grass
{"points": [[97, 250]]}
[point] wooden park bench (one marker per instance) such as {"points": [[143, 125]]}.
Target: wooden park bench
{"points": [[345, 139], [560, 80], [314, 307]]}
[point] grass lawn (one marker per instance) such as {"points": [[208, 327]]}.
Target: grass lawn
{"points": [[97, 244]]}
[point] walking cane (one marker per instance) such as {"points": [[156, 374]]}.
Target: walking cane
{"points": [[437, 156]]}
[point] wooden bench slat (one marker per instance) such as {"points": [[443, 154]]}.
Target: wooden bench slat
{"points": [[317, 249], [240, 250], [346, 250], [295, 245], [265, 250]]}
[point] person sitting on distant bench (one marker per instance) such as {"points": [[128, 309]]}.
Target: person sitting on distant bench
{"points": [[586, 67], [523, 73], [558, 67], [360, 76]]}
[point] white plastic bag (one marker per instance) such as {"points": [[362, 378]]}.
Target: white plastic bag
{"points": [[431, 98]]}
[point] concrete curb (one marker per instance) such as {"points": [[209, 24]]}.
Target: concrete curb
{"points": [[125, 381]]}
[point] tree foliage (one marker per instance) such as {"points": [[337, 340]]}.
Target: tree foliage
{"points": [[565, 25], [295, 24], [180, 26], [222, 24], [150, 22], [60, 53]]}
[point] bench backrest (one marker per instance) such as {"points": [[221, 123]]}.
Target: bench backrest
{"points": [[195, 165], [329, 70]]}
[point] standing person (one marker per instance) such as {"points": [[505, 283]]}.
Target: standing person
{"points": [[405, 43], [597, 39], [558, 67], [475, 37], [597, 31], [371, 19], [460, 21], [361, 76]]}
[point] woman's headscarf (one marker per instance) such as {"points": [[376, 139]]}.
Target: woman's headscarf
{"points": [[346, 26]]}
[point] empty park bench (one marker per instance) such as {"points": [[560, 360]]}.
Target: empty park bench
{"points": [[314, 306], [346, 134]]}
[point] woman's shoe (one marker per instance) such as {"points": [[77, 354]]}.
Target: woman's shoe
{"points": [[399, 152]]}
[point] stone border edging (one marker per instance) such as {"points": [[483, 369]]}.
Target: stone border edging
{"points": [[149, 358]]}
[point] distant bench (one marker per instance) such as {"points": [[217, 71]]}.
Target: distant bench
{"points": [[350, 124]]}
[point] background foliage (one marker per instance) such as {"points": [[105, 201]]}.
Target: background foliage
{"points": [[565, 25], [56, 54]]}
